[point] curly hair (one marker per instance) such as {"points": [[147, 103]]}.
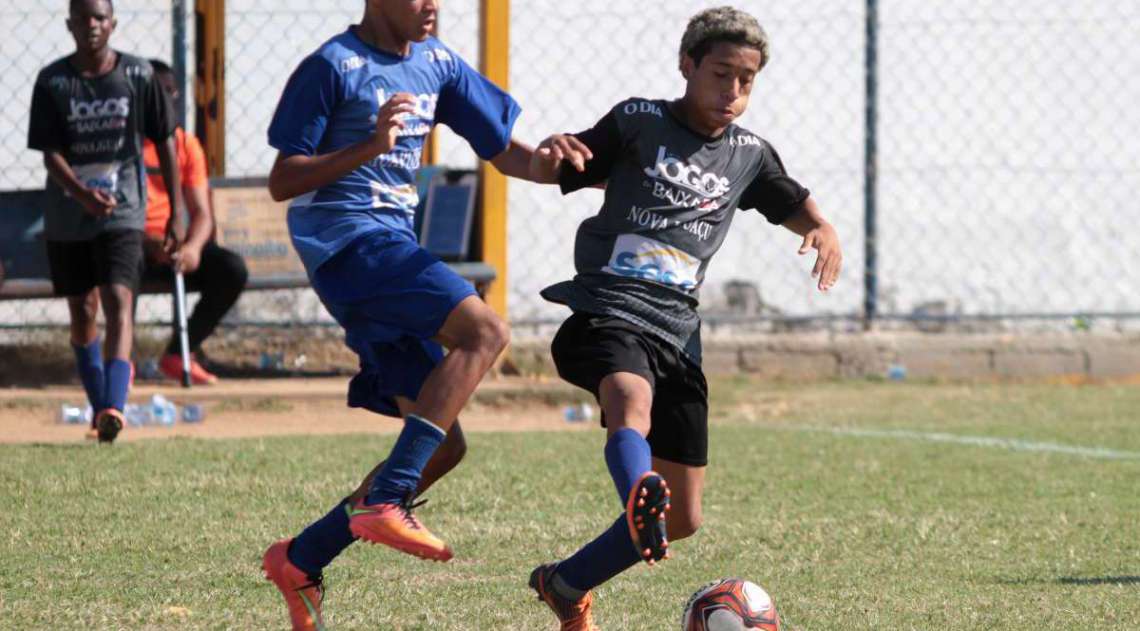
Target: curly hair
{"points": [[723, 24]]}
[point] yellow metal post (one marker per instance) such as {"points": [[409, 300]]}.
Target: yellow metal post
{"points": [[210, 81], [494, 63]]}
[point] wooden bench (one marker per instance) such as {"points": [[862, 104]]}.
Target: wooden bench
{"points": [[248, 222]]}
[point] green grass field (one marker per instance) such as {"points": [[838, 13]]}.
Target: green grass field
{"points": [[846, 531]]}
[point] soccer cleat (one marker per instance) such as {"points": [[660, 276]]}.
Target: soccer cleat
{"points": [[302, 594], [108, 424], [395, 526], [574, 615], [171, 366], [645, 514]]}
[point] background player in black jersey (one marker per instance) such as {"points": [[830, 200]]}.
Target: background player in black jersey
{"points": [[90, 111], [676, 172]]}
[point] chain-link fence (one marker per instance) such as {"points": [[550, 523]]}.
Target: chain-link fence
{"points": [[807, 103], [1008, 149], [35, 35], [1007, 141]]}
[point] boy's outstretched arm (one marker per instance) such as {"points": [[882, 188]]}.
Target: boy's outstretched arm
{"points": [[808, 222], [541, 164]]}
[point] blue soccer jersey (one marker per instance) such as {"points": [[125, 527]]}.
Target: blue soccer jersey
{"points": [[332, 100]]}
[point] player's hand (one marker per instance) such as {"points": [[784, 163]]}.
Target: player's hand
{"points": [[550, 153], [390, 120], [830, 259], [187, 258], [96, 202], [172, 238]]}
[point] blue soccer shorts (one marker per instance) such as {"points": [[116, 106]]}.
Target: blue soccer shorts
{"points": [[391, 297]]}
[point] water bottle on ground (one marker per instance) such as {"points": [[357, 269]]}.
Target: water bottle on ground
{"points": [[165, 413], [193, 413], [273, 362], [70, 414], [138, 415], [578, 412], [149, 370]]}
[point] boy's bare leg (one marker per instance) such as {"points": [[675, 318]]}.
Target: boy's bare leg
{"points": [[84, 312], [686, 485], [474, 336], [117, 303]]}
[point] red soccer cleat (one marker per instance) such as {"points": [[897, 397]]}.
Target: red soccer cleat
{"points": [[171, 366]]}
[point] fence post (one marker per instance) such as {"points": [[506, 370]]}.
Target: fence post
{"points": [[494, 62], [178, 57], [870, 170], [210, 81]]}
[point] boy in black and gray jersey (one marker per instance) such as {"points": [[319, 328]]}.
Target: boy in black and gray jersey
{"points": [[90, 111], [675, 173]]}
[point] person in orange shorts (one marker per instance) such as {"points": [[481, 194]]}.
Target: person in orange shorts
{"points": [[219, 274]]}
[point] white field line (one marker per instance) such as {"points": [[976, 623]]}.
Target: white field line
{"points": [[1011, 444]]}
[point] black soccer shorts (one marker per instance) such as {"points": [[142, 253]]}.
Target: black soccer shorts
{"points": [[110, 258], [588, 347]]}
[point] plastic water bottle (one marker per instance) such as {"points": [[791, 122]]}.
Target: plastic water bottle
{"points": [[578, 413], [272, 361], [149, 370], [193, 413], [70, 414], [138, 415], [165, 413]]}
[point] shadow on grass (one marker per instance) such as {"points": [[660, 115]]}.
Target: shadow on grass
{"points": [[1073, 580], [1100, 580], [87, 444]]}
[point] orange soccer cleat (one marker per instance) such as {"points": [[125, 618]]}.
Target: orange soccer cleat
{"points": [[302, 595], [395, 526], [108, 424], [574, 615]]}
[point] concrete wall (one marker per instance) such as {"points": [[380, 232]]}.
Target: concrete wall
{"points": [[942, 357]]}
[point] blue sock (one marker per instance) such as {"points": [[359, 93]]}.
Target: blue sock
{"points": [[322, 541], [117, 376], [89, 362], [600, 560], [628, 456], [401, 474]]}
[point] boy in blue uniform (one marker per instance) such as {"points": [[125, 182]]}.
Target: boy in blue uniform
{"points": [[350, 130]]}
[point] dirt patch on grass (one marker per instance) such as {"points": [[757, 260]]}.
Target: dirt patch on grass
{"points": [[269, 407]]}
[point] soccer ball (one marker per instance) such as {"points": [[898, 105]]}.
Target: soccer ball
{"points": [[730, 604]]}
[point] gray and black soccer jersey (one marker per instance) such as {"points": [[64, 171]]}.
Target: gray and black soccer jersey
{"points": [[98, 125], [670, 197]]}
